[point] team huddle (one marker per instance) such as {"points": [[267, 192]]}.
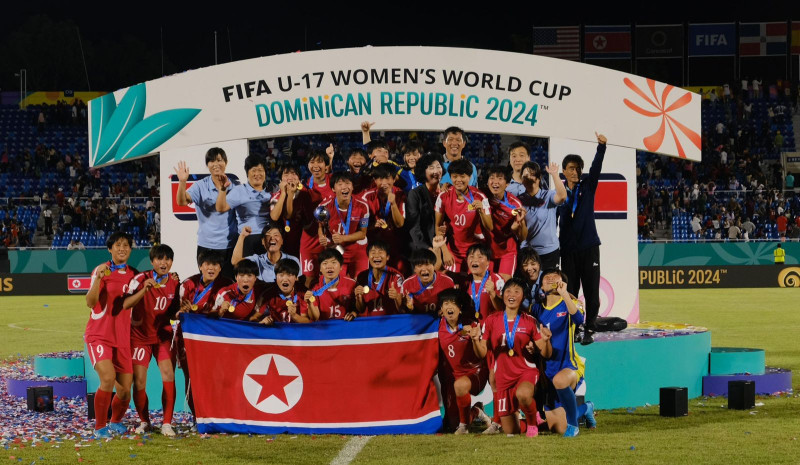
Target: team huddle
{"points": [[378, 239]]}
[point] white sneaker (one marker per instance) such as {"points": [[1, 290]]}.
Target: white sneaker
{"points": [[481, 416], [462, 429], [143, 427], [193, 429], [494, 428], [166, 430]]}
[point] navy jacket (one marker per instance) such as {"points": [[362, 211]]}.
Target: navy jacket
{"points": [[579, 232]]}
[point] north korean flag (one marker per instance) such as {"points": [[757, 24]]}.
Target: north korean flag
{"points": [[368, 376], [611, 197], [79, 284]]}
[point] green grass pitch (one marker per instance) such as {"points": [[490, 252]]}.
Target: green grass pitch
{"points": [[763, 318]]}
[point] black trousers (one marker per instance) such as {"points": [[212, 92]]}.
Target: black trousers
{"points": [[583, 270], [550, 260], [227, 254]]}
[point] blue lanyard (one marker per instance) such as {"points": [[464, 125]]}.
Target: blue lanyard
{"points": [[575, 194], [246, 298], [423, 288], [476, 297], [370, 281], [324, 288], [386, 209], [198, 298], [294, 300], [460, 327], [114, 267], [155, 275], [471, 198], [510, 336], [344, 223], [506, 202], [311, 182]]}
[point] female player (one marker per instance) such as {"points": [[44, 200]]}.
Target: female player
{"points": [[506, 334], [462, 371], [529, 266], [508, 219], [108, 334], [561, 313], [541, 205], [216, 231], [250, 201]]}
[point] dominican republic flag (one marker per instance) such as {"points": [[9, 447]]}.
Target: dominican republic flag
{"points": [[762, 39], [369, 376], [558, 42], [607, 42]]}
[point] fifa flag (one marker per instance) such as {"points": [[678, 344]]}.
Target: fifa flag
{"points": [[762, 39], [607, 42], [367, 376]]}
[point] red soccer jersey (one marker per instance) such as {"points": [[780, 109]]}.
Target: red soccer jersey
{"points": [[503, 239], [302, 218], [485, 305], [378, 210], [359, 218], [465, 224], [150, 317], [275, 302], [109, 322], [245, 305], [457, 350], [508, 369], [193, 290], [319, 193], [378, 302], [336, 301], [427, 301]]}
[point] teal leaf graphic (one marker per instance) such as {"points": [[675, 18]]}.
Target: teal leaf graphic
{"points": [[730, 258], [154, 131], [128, 114], [689, 261], [102, 109]]}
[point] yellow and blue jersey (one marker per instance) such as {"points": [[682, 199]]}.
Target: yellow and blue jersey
{"points": [[562, 325]]}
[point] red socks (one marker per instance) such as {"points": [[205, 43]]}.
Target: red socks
{"points": [[102, 399], [464, 403], [140, 401], [169, 401], [530, 412], [118, 409]]}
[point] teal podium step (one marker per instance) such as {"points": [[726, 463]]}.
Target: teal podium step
{"points": [[734, 360]]}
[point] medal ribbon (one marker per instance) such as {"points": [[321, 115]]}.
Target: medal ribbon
{"points": [[575, 193], [468, 196], [246, 298], [155, 277], [197, 298], [507, 203], [339, 214], [510, 336], [294, 300], [371, 281], [386, 209], [476, 297], [423, 288], [324, 288], [460, 327], [114, 267]]}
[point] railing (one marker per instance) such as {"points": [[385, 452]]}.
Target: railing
{"points": [[34, 201]]}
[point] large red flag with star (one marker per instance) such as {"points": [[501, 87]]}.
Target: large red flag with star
{"points": [[367, 376]]}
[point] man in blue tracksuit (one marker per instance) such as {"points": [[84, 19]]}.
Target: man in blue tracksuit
{"points": [[579, 242]]}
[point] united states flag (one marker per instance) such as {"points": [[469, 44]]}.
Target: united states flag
{"points": [[558, 42]]}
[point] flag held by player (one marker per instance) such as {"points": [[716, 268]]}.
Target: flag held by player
{"points": [[367, 376]]}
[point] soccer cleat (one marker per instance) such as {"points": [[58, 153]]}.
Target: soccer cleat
{"points": [[587, 338], [571, 431], [591, 423], [118, 428], [143, 427], [539, 419], [462, 429], [532, 431], [494, 428], [480, 415], [103, 433], [193, 429], [167, 430]]}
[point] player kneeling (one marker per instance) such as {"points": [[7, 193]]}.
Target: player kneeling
{"points": [[561, 313], [459, 337], [284, 298], [507, 334], [152, 295]]}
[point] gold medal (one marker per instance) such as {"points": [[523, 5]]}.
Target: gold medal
{"points": [[477, 315], [107, 272], [384, 225], [173, 322], [312, 299], [287, 228], [231, 308], [194, 307], [157, 286], [515, 212], [555, 286], [510, 352], [470, 207], [300, 187], [366, 289]]}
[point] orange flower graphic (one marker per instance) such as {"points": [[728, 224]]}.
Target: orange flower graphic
{"points": [[654, 141]]}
